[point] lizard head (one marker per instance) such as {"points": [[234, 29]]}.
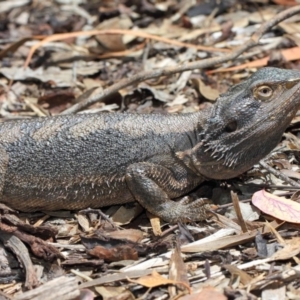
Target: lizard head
{"points": [[246, 123]]}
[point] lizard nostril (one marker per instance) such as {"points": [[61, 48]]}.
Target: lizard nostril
{"points": [[231, 126]]}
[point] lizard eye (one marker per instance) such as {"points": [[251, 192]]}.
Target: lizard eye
{"points": [[263, 92]]}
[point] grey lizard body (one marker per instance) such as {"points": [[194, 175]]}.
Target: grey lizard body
{"points": [[89, 160]]}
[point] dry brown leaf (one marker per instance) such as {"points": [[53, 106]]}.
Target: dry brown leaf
{"points": [[280, 240], [122, 252], [244, 277], [290, 28], [282, 163], [133, 235], [295, 120], [291, 173], [293, 141], [266, 13], [56, 101], [178, 100], [111, 43], [52, 75], [205, 90], [177, 270], [83, 222], [109, 292], [114, 42], [291, 249], [278, 207], [226, 222], [124, 215], [158, 94], [155, 279], [228, 241], [155, 223], [236, 204], [181, 82]]}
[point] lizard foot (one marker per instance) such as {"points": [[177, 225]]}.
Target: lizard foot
{"points": [[188, 210]]}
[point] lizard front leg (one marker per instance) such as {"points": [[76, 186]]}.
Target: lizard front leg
{"points": [[153, 186]]}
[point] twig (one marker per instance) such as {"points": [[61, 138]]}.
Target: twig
{"points": [[123, 53], [63, 288], [237, 208], [137, 33], [279, 174], [205, 63], [272, 186], [19, 249]]}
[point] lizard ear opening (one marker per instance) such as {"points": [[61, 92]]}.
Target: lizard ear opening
{"points": [[231, 126]]}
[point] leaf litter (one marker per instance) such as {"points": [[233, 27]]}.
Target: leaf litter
{"points": [[56, 53]]}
